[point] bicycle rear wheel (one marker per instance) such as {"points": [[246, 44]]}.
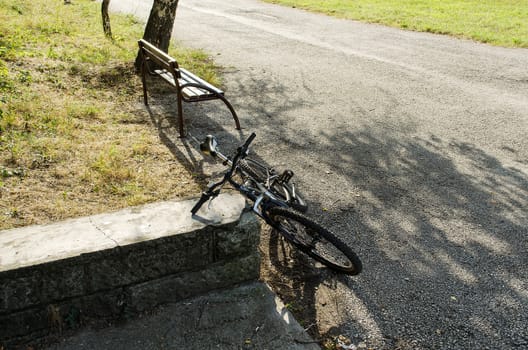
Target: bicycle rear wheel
{"points": [[314, 240], [283, 191]]}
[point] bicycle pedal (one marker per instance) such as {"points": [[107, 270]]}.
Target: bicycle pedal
{"points": [[286, 176]]}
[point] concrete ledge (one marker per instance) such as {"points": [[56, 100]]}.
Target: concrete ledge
{"points": [[110, 266]]}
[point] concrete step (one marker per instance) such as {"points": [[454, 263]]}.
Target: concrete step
{"points": [[248, 316], [112, 266]]}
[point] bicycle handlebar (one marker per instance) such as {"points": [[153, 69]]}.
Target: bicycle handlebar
{"points": [[242, 151], [211, 192], [249, 140]]}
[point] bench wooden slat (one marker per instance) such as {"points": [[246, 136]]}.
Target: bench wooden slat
{"points": [[194, 93], [185, 74], [189, 92], [166, 75], [160, 63], [160, 57]]}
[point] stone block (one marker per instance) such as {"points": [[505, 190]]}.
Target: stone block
{"points": [[238, 240], [173, 288], [41, 284], [148, 260]]}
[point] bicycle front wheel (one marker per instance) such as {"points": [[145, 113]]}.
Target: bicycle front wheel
{"points": [[314, 240]]}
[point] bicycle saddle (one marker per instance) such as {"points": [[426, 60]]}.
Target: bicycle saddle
{"points": [[209, 145]]}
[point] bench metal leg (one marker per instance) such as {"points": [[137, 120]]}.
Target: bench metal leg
{"points": [[180, 114], [235, 117], [217, 95], [144, 80]]}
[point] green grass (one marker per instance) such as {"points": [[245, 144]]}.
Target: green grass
{"points": [[496, 22], [72, 141]]}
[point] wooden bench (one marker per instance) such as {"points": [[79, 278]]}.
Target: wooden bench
{"points": [[189, 87]]}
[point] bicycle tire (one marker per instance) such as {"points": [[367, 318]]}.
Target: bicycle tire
{"points": [[314, 240], [282, 190]]}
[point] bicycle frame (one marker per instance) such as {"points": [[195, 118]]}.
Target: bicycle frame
{"points": [[307, 235]]}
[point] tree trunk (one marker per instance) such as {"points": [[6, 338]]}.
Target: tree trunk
{"points": [[159, 25], [106, 19]]}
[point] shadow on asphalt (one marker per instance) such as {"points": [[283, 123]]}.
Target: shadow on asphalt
{"points": [[438, 224]]}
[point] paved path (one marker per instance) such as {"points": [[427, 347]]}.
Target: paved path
{"points": [[412, 147]]}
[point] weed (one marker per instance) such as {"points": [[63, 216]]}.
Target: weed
{"points": [[5, 172], [81, 110], [6, 84], [24, 77], [14, 153], [15, 213], [110, 164]]}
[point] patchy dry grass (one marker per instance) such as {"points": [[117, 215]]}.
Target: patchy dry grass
{"points": [[73, 137]]}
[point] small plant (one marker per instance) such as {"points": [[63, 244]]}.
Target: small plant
{"points": [[14, 213], [77, 110], [6, 84], [14, 150], [5, 172], [111, 165], [24, 77]]}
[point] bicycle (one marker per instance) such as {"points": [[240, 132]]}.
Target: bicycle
{"points": [[275, 200]]}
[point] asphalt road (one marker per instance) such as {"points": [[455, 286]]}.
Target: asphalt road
{"points": [[412, 147]]}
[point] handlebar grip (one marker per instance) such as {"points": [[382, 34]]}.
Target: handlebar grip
{"points": [[242, 150], [249, 140], [204, 198]]}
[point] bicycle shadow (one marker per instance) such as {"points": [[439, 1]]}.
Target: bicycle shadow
{"points": [[297, 280]]}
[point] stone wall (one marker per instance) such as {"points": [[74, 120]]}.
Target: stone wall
{"points": [[125, 280]]}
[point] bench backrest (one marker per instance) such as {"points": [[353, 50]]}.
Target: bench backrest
{"points": [[160, 58]]}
